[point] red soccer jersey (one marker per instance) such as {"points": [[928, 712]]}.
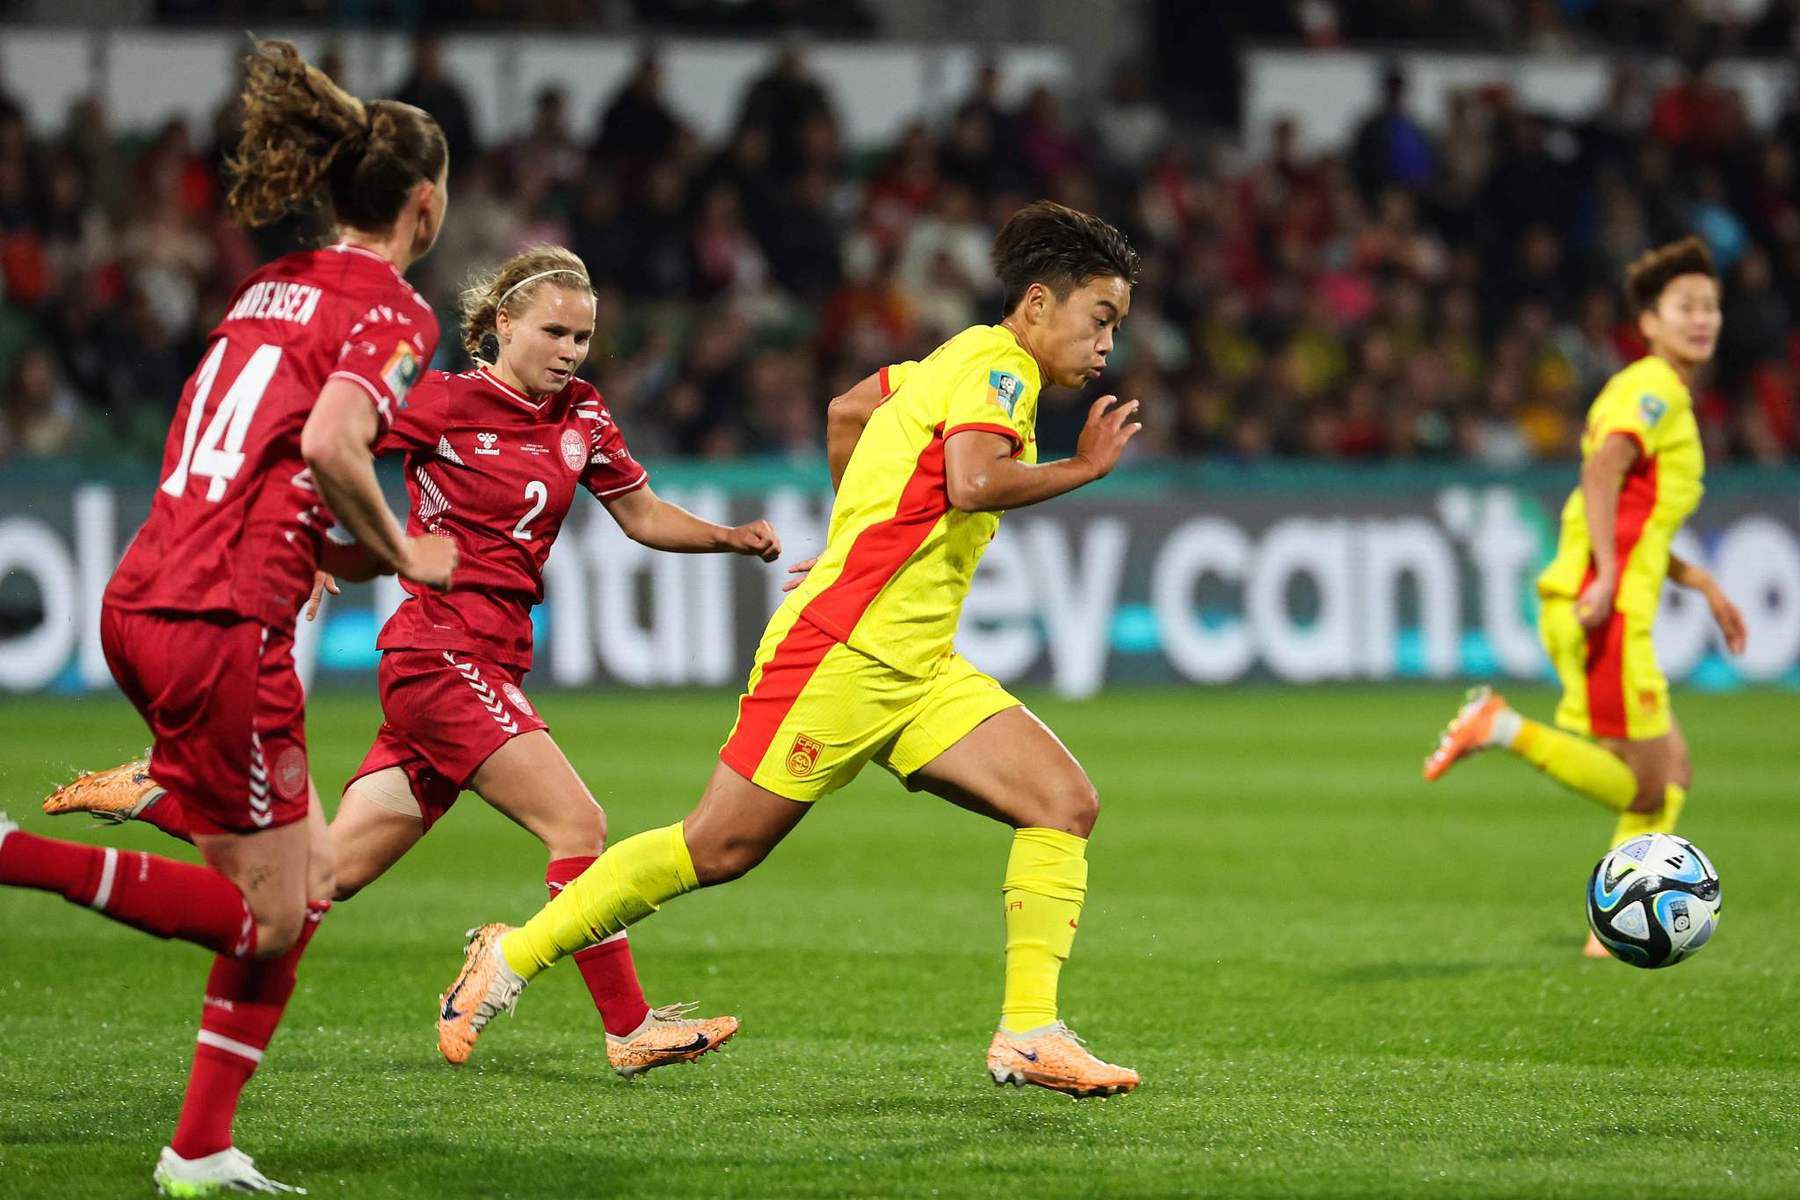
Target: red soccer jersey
{"points": [[235, 526], [496, 471]]}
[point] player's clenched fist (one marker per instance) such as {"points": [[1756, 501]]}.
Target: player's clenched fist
{"points": [[757, 538], [429, 561], [1109, 426]]}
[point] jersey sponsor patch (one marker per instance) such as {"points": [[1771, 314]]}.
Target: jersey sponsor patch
{"points": [[402, 370], [1652, 408], [1004, 389], [803, 756], [574, 449]]}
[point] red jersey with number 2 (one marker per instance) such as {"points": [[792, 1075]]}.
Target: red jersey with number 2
{"points": [[234, 526], [496, 471]]}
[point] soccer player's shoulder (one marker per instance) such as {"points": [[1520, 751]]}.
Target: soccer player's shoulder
{"points": [[1639, 394]]}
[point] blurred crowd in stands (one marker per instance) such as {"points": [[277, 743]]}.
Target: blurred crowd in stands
{"points": [[1418, 293]]}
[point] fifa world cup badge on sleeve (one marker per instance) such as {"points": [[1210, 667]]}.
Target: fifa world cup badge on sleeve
{"points": [[402, 371], [803, 756], [1652, 408], [1003, 389]]}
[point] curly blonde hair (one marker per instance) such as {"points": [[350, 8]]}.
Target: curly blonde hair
{"points": [[513, 284], [306, 141]]}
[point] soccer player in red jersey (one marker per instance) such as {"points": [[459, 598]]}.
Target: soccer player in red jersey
{"points": [[493, 460], [310, 363]]}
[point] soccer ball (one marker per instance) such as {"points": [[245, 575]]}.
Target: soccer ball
{"points": [[1654, 900]]}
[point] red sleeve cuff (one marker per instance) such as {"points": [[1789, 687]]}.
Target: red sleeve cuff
{"points": [[1005, 431]]}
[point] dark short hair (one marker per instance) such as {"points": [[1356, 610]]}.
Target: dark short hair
{"points": [[1055, 245], [1655, 269]]}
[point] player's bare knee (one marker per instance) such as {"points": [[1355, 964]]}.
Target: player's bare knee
{"points": [[1652, 789], [277, 932], [726, 860], [578, 832], [1074, 806]]}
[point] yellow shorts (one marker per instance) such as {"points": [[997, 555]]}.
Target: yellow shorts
{"points": [[816, 711], [1612, 686]]}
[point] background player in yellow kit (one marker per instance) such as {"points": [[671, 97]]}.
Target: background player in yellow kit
{"points": [[857, 664], [1641, 471]]}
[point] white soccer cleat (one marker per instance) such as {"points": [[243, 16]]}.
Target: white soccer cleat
{"points": [[486, 988], [221, 1174], [7, 825]]}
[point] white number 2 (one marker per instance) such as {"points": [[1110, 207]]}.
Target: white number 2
{"points": [[219, 456], [537, 492]]}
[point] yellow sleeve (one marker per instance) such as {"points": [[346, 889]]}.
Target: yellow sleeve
{"points": [[1632, 406], [994, 397], [893, 375]]}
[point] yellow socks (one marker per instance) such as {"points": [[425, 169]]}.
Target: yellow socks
{"points": [[627, 883], [1631, 824], [1046, 882], [1576, 763]]}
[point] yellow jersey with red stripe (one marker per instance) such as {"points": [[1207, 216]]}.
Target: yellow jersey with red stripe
{"points": [[898, 560], [1647, 402]]}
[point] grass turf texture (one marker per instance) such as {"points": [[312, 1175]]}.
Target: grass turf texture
{"points": [[1337, 981]]}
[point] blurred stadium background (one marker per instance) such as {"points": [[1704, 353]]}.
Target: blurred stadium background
{"points": [[1383, 243], [1382, 240]]}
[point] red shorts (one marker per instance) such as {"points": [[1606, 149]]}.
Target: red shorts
{"points": [[225, 710], [444, 713]]}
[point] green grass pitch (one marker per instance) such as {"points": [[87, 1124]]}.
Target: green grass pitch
{"points": [[1337, 981]]}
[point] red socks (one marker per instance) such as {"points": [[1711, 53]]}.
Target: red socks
{"points": [[606, 968], [157, 895], [244, 1002]]}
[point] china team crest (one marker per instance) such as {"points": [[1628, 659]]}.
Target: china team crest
{"points": [[574, 449], [803, 756], [518, 698]]}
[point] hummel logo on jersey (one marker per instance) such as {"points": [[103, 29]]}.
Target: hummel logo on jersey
{"points": [[487, 441]]}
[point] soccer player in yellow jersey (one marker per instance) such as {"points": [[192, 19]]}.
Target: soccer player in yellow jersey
{"points": [[1617, 742], [857, 664]]}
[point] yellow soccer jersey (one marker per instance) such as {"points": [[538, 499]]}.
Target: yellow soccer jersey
{"points": [[898, 559], [1648, 403]]}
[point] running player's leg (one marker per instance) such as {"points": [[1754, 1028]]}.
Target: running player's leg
{"points": [[246, 997], [377, 822], [531, 781], [978, 747], [1013, 768], [736, 824], [1564, 752], [730, 831]]}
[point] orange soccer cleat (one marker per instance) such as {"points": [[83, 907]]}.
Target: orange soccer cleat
{"points": [[485, 988], [116, 795], [1469, 730], [1053, 1057], [668, 1035]]}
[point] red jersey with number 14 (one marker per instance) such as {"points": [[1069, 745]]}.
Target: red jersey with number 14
{"points": [[234, 526], [496, 471]]}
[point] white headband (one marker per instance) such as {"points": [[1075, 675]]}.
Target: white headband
{"points": [[533, 279]]}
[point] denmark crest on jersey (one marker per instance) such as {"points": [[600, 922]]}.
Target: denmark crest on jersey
{"points": [[1004, 389], [574, 449]]}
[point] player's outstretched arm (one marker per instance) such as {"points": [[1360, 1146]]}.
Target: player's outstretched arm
{"points": [[1602, 479], [650, 520], [845, 419], [981, 474], [337, 445], [1730, 619]]}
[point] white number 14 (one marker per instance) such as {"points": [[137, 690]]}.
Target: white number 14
{"points": [[219, 456]]}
